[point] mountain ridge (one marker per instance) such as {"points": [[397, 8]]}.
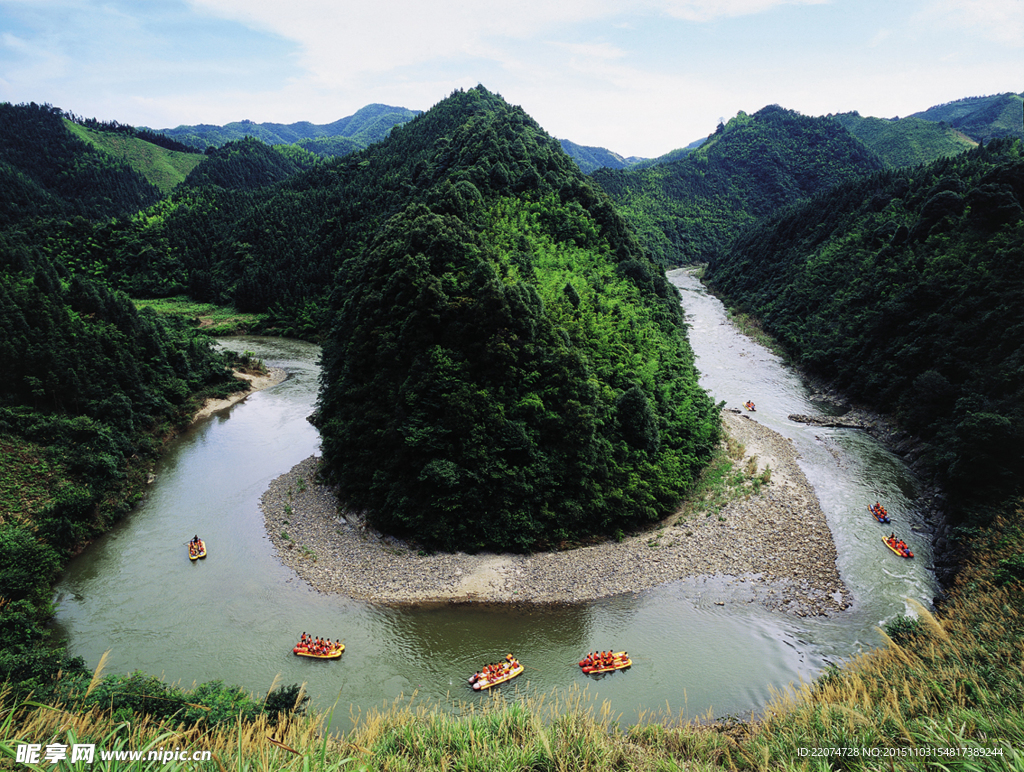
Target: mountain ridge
{"points": [[687, 209], [369, 124]]}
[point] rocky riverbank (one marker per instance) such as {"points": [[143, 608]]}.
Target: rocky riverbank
{"points": [[775, 542]]}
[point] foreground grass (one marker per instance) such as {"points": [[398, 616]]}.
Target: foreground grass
{"points": [[252, 745]]}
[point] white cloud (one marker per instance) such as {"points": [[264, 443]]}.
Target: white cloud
{"points": [[342, 40], [1001, 21], [636, 76], [707, 10]]}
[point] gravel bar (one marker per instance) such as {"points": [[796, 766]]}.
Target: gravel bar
{"points": [[774, 546]]}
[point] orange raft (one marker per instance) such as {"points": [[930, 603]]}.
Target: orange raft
{"points": [[618, 660], [496, 674], [903, 552], [196, 551], [303, 650]]}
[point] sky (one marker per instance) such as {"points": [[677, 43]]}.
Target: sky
{"points": [[639, 77]]}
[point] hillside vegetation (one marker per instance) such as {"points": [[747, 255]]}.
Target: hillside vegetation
{"points": [[163, 168], [906, 141], [981, 118], [686, 210], [47, 171], [905, 288]]}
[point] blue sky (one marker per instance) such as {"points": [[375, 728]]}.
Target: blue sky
{"points": [[639, 77]]}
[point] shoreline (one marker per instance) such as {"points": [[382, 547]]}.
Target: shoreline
{"points": [[273, 376], [741, 544]]}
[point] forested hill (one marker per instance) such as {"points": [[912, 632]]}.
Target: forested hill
{"points": [[687, 210], [981, 118], [590, 158], [148, 154], [905, 288], [906, 141], [276, 248], [46, 170], [505, 367], [249, 165]]}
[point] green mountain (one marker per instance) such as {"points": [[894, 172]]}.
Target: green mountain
{"points": [[686, 210], [48, 171], [590, 158], [503, 366], [249, 164], [488, 377], [367, 125], [981, 118], [669, 157], [905, 141], [162, 167], [905, 288]]}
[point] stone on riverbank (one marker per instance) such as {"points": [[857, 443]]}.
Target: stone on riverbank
{"points": [[777, 540]]}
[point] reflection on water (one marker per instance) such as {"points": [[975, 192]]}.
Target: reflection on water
{"points": [[236, 615]]}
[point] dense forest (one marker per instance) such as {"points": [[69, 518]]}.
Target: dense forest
{"points": [[905, 288], [91, 385], [505, 367]]}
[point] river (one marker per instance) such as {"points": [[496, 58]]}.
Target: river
{"points": [[235, 615]]}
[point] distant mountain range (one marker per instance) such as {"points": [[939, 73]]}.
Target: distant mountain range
{"points": [[981, 118], [919, 138], [367, 125]]}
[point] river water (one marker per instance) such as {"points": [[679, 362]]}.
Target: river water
{"points": [[236, 615]]}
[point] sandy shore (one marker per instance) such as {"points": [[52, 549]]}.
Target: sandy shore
{"points": [[773, 547], [273, 377]]}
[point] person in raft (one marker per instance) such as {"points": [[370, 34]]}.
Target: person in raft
{"points": [[495, 670], [600, 659]]}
